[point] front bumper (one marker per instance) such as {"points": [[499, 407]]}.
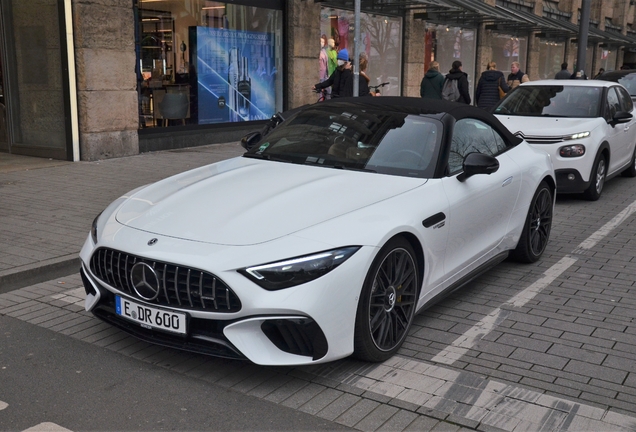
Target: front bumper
{"points": [[205, 336], [307, 324], [570, 181]]}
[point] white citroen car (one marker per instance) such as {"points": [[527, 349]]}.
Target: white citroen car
{"points": [[587, 126], [326, 237]]}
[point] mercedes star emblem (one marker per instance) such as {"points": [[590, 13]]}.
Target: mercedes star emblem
{"points": [[145, 281]]}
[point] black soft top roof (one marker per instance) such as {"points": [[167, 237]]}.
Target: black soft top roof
{"points": [[415, 105], [615, 75]]}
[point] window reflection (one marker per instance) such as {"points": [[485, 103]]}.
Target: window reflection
{"points": [[381, 43], [207, 62]]}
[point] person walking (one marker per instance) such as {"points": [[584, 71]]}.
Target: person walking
{"points": [[364, 80], [461, 77], [564, 73], [341, 81], [601, 71], [432, 82], [516, 77], [487, 94]]}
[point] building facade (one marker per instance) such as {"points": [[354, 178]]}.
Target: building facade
{"points": [[95, 79]]}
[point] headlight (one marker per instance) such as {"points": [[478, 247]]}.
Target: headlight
{"points": [[299, 270], [94, 228], [579, 135], [574, 150]]}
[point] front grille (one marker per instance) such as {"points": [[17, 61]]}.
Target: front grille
{"points": [[184, 287], [537, 139]]}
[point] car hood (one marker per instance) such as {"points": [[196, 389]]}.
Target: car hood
{"points": [[549, 126], [244, 201]]}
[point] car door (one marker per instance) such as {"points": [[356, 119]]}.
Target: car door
{"points": [[629, 128], [618, 135], [481, 205]]}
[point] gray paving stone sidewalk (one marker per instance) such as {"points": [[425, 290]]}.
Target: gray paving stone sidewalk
{"points": [[46, 212], [401, 394]]}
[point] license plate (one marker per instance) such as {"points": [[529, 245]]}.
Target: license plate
{"points": [[150, 317]]}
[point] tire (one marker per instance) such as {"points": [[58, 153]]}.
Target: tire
{"points": [[387, 302], [597, 179], [630, 171], [536, 230]]}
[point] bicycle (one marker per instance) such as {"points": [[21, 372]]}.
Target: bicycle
{"points": [[374, 89], [322, 94]]}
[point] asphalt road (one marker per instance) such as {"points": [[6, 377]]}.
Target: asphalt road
{"points": [[46, 377]]}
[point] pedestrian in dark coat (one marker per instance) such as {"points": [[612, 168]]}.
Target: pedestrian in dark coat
{"points": [[564, 73], [341, 80], [516, 77], [487, 94], [432, 83], [462, 81]]}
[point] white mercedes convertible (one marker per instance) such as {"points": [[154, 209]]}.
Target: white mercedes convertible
{"points": [[326, 237]]}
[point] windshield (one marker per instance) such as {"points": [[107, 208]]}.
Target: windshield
{"points": [[552, 101], [368, 140]]}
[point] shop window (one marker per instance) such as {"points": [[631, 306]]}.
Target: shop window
{"points": [[551, 56], [381, 40], [606, 57], [507, 49], [589, 54], [446, 44], [204, 62]]}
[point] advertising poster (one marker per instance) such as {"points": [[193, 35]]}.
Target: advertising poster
{"points": [[235, 75]]}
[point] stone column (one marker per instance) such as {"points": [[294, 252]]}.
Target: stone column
{"points": [[413, 62], [484, 51], [303, 52], [106, 81], [532, 68]]}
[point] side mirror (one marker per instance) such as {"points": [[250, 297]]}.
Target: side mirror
{"points": [[250, 140], [621, 117], [478, 163]]}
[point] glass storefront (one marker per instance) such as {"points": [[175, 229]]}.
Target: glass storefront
{"points": [[606, 58], [589, 55], [204, 62], [551, 56], [507, 49], [381, 40], [34, 97], [446, 44]]}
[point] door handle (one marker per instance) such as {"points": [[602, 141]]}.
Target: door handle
{"points": [[435, 221]]}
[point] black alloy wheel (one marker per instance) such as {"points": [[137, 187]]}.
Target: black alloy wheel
{"points": [[536, 230], [387, 302]]}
